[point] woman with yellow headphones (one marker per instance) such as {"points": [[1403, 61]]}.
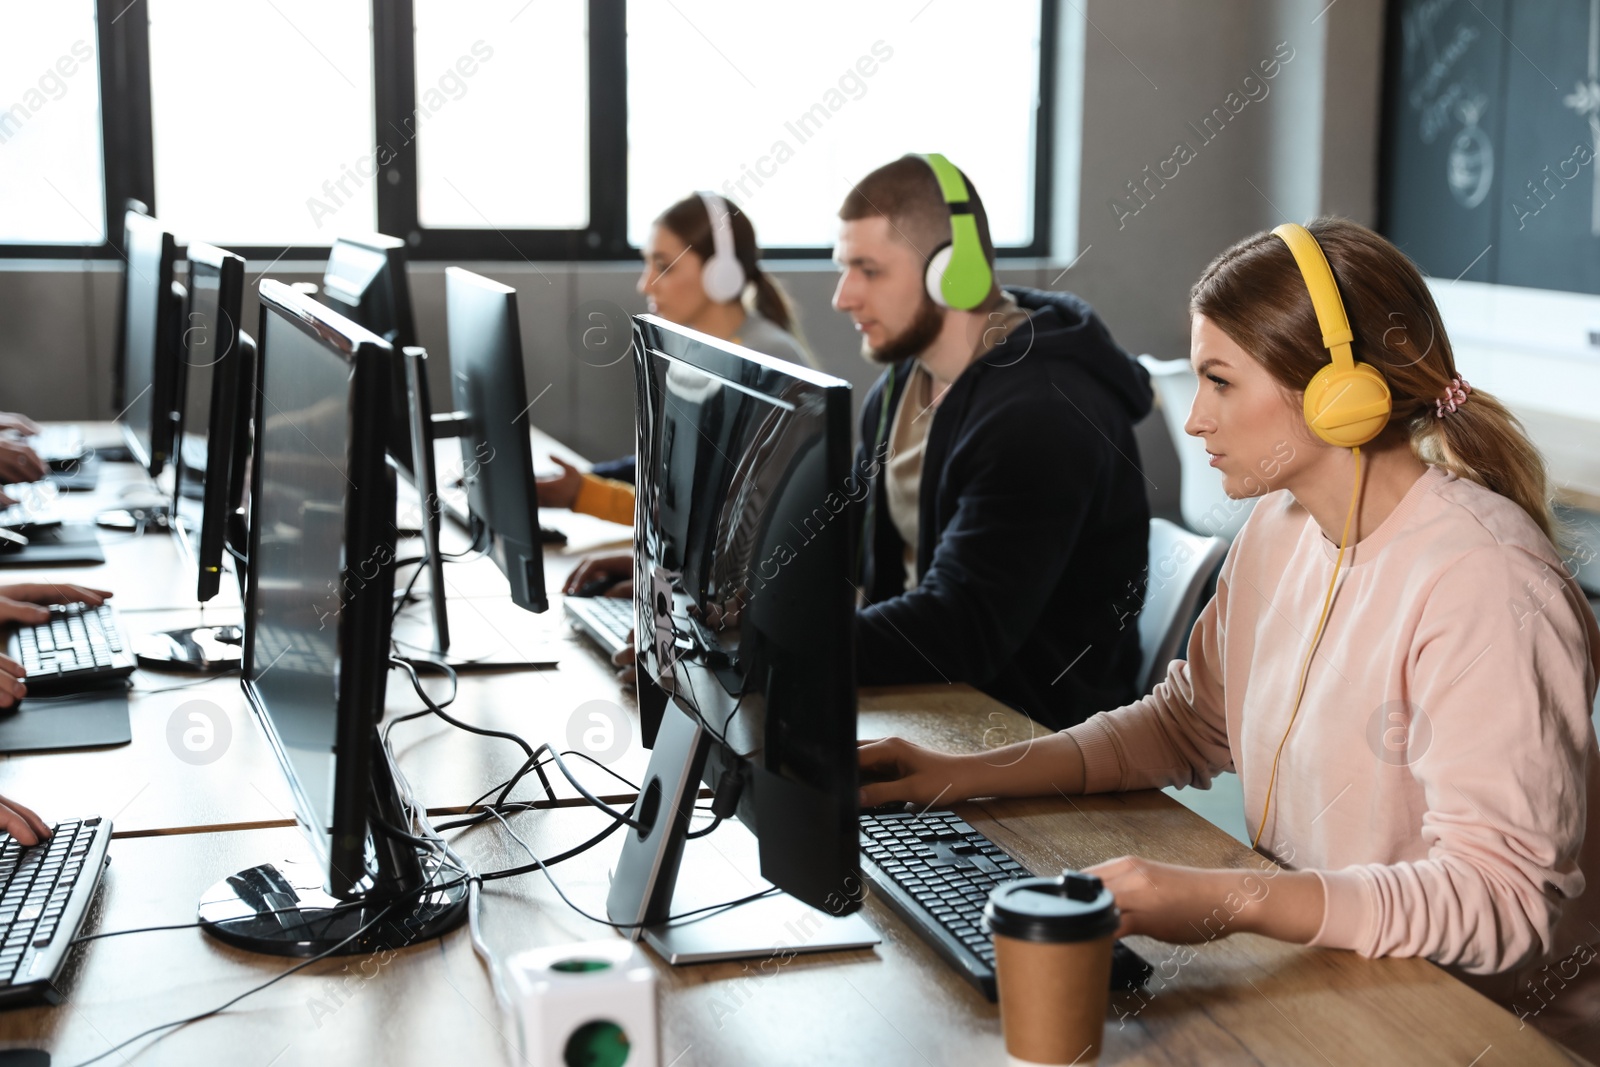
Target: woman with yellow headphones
{"points": [[1397, 661]]}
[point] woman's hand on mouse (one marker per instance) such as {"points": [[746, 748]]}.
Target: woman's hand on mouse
{"points": [[616, 568], [894, 769]]}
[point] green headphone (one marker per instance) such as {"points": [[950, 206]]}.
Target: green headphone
{"points": [[958, 274]]}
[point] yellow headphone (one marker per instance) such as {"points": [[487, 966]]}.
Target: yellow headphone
{"points": [[1347, 403]]}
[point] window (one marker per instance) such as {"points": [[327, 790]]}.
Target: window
{"points": [[502, 114], [500, 129], [50, 156], [268, 145], [782, 114]]}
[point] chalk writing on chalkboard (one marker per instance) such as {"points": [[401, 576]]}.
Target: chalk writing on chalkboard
{"points": [[1585, 100], [1470, 168]]}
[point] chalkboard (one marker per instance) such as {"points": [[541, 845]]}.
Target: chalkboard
{"points": [[1491, 135]]}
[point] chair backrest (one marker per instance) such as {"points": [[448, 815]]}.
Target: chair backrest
{"points": [[1205, 507], [1181, 565]]}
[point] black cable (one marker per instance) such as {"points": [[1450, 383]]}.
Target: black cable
{"points": [[542, 866], [424, 661], [405, 597], [190, 926], [210, 677], [688, 676], [383, 826], [135, 930], [531, 753], [256, 989], [437, 709], [705, 831]]}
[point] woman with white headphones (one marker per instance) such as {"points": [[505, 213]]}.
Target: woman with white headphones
{"points": [[701, 261]]}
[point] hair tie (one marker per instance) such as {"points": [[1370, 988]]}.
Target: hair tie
{"points": [[1455, 394]]}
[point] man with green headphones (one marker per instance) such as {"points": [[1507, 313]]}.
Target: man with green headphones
{"points": [[1005, 524]]}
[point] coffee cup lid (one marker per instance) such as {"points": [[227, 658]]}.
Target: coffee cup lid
{"points": [[1071, 907]]}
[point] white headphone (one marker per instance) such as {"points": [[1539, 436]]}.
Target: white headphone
{"points": [[722, 277]]}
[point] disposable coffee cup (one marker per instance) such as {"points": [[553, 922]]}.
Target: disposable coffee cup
{"points": [[1052, 945]]}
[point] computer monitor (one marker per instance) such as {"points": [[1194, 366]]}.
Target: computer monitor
{"points": [[490, 391], [151, 335], [215, 386], [316, 653], [744, 627], [365, 281], [118, 357]]}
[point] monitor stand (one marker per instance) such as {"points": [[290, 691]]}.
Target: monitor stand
{"points": [[481, 650], [647, 873], [202, 649], [282, 909]]}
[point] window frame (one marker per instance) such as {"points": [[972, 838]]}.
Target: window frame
{"points": [[122, 50], [122, 30]]}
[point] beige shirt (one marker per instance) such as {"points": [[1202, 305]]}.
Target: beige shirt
{"points": [[908, 439], [903, 482]]}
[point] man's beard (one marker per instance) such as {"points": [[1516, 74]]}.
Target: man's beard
{"points": [[913, 340]]}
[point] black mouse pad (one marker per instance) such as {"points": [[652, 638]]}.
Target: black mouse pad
{"points": [[80, 720], [69, 542], [24, 1057]]}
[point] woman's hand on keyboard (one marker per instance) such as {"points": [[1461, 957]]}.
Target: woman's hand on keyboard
{"points": [[12, 686], [19, 462], [12, 420], [53, 593], [21, 823]]}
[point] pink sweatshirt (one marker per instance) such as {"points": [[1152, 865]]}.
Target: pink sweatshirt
{"points": [[1439, 772]]}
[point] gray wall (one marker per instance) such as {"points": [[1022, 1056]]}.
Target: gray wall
{"points": [[1142, 69]]}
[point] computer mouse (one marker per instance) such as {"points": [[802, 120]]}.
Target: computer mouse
{"points": [[600, 586]]}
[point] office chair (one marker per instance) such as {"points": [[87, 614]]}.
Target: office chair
{"points": [[1181, 566], [1206, 509]]}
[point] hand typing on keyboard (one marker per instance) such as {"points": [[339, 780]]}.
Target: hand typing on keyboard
{"points": [[19, 423], [19, 462], [21, 823], [24, 603]]}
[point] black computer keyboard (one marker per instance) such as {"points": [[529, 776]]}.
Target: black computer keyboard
{"points": [[935, 871], [605, 620], [47, 891], [79, 648], [57, 444]]}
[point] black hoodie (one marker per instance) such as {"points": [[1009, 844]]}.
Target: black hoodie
{"points": [[1032, 529]]}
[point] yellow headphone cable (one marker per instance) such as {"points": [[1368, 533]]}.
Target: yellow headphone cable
{"points": [[1305, 666]]}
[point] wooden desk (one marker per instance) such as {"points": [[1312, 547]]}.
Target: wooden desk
{"points": [[1242, 999], [149, 786], [146, 571]]}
